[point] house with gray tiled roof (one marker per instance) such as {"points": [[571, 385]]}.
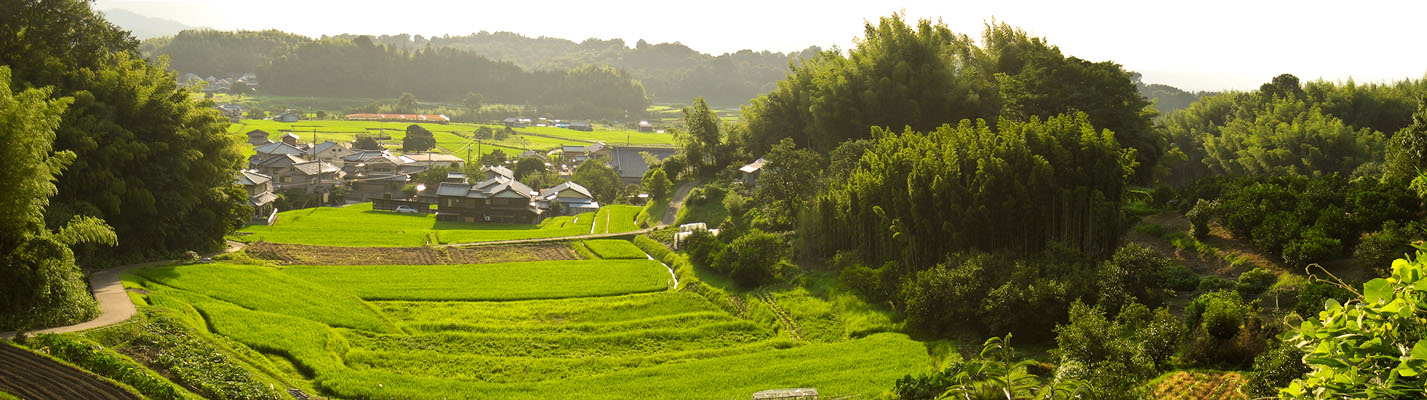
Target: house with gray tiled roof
{"points": [[571, 197], [491, 200], [260, 193]]}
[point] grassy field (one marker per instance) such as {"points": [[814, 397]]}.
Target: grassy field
{"points": [[611, 249], [358, 225], [617, 218], [533, 330], [450, 138], [508, 281]]}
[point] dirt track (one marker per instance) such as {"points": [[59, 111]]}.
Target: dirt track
{"points": [[34, 377]]}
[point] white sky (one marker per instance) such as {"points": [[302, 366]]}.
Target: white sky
{"points": [[1194, 45]]}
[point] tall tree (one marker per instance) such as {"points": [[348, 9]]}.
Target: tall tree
{"points": [[700, 137], [142, 145], [1407, 151]]}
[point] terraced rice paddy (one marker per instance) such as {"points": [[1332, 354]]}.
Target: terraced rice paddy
{"points": [[587, 329], [358, 225]]}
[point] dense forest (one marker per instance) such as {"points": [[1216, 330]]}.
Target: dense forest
{"points": [[985, 190]]}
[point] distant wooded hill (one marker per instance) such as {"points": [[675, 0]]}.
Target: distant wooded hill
{"points": [[667, 71]]}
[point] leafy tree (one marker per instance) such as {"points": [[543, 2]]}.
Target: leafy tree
{"points": [[495, 157], [1407, 151], [600, 179], [657, 183], [42, 285], [754, 258], [149, 160], [431, 178], [1115, 355], [407, 104], [473, 101], [700, 137], [417, 139], [366, 142], [527, 166], [1132, 275], [788, 180]]}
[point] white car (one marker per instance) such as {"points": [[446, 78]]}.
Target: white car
{"points": [[405, 209]]}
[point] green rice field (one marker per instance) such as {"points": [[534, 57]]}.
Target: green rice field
{"points": [[358, 225], [611, 249], [450, 138], [589, 329]]}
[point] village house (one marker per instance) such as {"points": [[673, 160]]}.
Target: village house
{"points": [[274, 164], [375, 174], [428, 160], [490, 200], [571, 199], [260, 194], [645, 126], [573, 155], [629, 163], [288, 116], [496, 171], [581, 126], [258, 137], [330, 152]]}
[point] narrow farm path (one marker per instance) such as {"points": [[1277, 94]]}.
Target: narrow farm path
{"points": [[677, 201], [114, 303], [32, 376]]}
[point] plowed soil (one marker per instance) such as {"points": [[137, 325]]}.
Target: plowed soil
{"points": [[34, 377], [328, 255]]}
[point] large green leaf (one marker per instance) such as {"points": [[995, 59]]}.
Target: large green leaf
{"points": [[1376, 290]]}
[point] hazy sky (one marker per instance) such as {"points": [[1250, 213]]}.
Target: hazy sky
{"points": [[1194, 45]]}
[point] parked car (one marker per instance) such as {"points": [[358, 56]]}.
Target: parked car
{"points": [[405, 209]]}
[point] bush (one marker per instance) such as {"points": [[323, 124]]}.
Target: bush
{"points": [[942, 297], [1378, 249], [1213, 284], [1031, 310], [1179, 278], [1273, 369], [704, 249], [1199, 217], [755, 258], [1312, 297], [1254, 282], [41, 286], [1219, 313], [1313, 246]]}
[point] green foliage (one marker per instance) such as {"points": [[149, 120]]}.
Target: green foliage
{"points": [[1199, 217], [1180, 278], [1407, 150], [527, 166], [994, 373], [1371, 346], [1220, 313], [1133, 274], [417, 138], [700, 143], [141, 144], [366, 142], [657, 184], [270, 290], [943, 296], [1254, 282], [788, 181], [916, 197], [212, 52], [374, 70], [600, 179], [28, 170], [1114, 356], [1274, 369], [113, 366], [755, 258]]}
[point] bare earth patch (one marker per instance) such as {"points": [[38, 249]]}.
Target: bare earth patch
{"points": [[283, 253]]}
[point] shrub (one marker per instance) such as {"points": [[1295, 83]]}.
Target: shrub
{"points": [[1273, 369], [942, 296], [1179, 277], [1313, 246], [1312, 297], [755, 258], [1199, 217], [1213, 284], [1379, 248], [1254, 282], [1028, 309], [704, 249], [1219, 313]]}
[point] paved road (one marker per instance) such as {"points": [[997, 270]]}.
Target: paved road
{"points": [[675, 203], [114, 303]]}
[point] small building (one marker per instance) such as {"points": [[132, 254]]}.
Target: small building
{"points": [[581, 126], [259, 137], [309, 176], [427, 160], [291, 139], [274, 164], [496, 171], [751, 171], [490, 200], [574, 154], [514, 122], [645, 126], [572, 197], [629, 163], [330, 152], [530, 153], [232, 111], [288, 116], [455, 177], [260, 194], [599, 151]]}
